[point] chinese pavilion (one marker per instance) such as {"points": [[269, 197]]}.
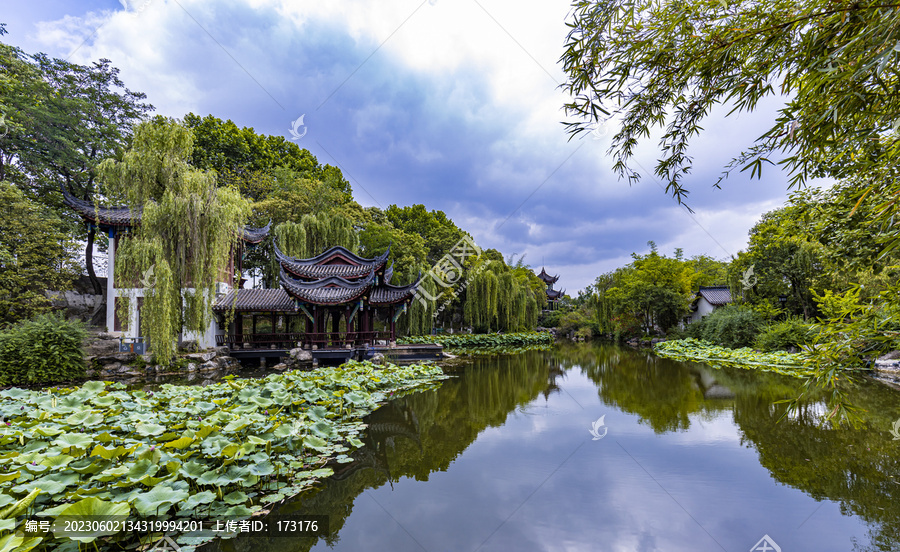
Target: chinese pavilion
{"points": [[330, 301], [553, 295]]}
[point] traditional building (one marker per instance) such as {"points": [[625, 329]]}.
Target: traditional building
{"points": [[553, 295], [116, 222], [335, 300], [706, 300]]}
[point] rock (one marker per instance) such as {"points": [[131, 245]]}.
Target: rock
{"points": [[280, 366], [115, 357], [893, 355], [377, 358], [191, 367], [209, 365], [301, 355], [190, 346], [201, 357], [448, 355], [221, 351], [109, 335]]}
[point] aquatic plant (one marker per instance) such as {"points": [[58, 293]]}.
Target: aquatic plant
{"points": [[227, 449], [481, 340], [791, 364]]}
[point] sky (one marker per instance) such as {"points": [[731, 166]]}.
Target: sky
{"points": [[454, 104]]}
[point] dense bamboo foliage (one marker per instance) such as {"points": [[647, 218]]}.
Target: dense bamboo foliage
{"points": [[188, 232]]}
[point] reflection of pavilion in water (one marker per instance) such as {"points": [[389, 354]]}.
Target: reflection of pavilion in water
{"points": [[555, 372], [386, 426]]}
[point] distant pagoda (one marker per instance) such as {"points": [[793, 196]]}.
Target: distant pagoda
{"points": [[553, 296]]}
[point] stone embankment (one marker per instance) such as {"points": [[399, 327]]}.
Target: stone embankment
{"points": [[887, 368], [104, 360]]}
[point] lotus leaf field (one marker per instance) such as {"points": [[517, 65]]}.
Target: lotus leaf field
{"points": [[227, 449], [460, 341], [791, 364]]}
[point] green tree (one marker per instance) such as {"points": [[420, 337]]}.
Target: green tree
{"points": [[650, 64], [440, 233], [61, 119], [189, 230], [243, 158], [36, 254]]}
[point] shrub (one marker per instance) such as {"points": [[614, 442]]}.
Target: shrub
{"points": [[550, 319], [44, 349], [730, 326], [783, 335]]}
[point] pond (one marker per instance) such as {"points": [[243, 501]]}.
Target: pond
{"points": [[689, 458]]}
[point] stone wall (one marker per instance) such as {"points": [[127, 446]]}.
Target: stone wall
{"points": [[104, 360]]}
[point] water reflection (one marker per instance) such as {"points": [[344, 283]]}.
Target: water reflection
{"points": [[500, 458]]}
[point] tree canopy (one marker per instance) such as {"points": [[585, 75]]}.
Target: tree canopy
{"points": [[648, 64]]}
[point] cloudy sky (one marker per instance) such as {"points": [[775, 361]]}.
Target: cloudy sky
{"points": [[450, 103]]}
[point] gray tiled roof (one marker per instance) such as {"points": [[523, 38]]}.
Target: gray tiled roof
{"points": [[104, 216], [715, 295], [255, 300], [124, 216], [547, 278], [327, 291], [386, 294], [348, 265]]}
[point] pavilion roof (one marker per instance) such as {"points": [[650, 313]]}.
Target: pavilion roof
{"points": [[265, 300], [332, 290], [547, 278], [337, 261], [386, 294], [388, 274], [555, 293], [122, 216], [102, 216]]}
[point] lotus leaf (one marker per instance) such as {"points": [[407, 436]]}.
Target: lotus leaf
{"points": [[265, 468], [193, 469], [179, 444], [203, 497], [236, 497], [57, 461], [4, 477], [48, 431], [109, 454], [73, 440], [149, 429], [93, 508], [322, 429], [314, 442], [158, 500]]}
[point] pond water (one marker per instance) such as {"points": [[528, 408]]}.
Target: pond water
{"points": [[691, 459]]}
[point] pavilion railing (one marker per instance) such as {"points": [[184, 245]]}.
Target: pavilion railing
{"points": [[322, 340]]}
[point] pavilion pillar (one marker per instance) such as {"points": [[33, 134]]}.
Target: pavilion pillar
{"points": [[111, 282], [335, 327], [393, 325]]}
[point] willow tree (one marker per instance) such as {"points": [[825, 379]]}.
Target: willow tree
{"points": [[314, 234], [187, 234]]}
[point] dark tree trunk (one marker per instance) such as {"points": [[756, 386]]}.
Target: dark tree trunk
{"points": [[89, 261], [98, 317]]}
